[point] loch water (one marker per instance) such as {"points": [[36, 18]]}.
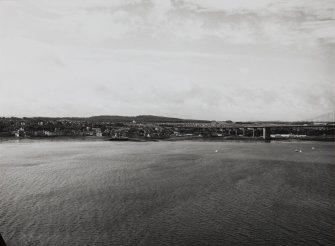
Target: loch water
{"points": [[167, 193]]}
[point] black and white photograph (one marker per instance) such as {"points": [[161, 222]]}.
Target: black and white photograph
{"points": [[167, 122]]}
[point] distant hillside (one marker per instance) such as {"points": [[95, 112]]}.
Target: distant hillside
{"points": [[140, 118], [119, 118]]}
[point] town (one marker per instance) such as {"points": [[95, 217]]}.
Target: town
{"points": [[159, 128]]}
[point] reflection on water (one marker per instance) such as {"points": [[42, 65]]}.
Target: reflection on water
{"points": [[167, 193]]}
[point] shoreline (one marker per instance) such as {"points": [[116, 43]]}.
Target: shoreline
{"points": [[171, 139]]}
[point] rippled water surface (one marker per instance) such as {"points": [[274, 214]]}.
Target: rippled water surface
{"points": [[167, 193]]}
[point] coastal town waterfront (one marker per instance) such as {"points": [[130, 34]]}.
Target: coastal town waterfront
{"points": [[167, 193], [148, 128]]}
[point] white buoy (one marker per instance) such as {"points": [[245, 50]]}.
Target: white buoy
{"points": [[313, 148], [216, 151], [300, 151]]}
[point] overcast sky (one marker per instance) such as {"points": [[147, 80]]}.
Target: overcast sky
{"points": [[202, 59]]}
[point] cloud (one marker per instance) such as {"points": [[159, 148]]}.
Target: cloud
{"points": [[242, 22], [189, 58]]}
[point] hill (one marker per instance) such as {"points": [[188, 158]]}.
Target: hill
{"points": [[141, 119], [119, 118]]}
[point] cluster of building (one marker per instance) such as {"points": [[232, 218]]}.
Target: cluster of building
{"points": [[44, 127], [32, 127]]}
